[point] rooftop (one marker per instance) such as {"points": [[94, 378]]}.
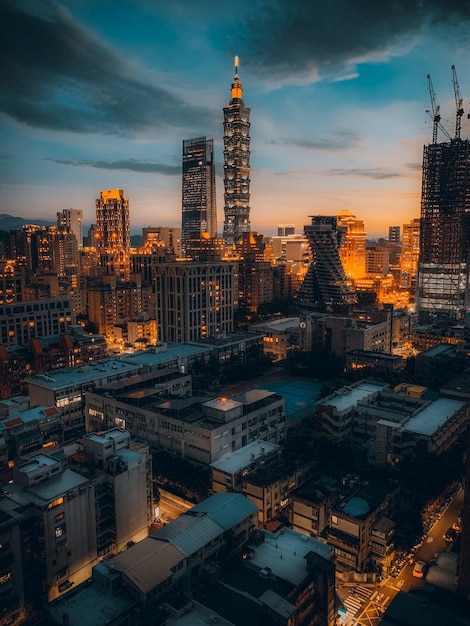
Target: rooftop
{"points": [[83, 374], [280, 325], [348, 397], [433, 416], [245, 456], [92, 605], [285, 554], [160, 356], [148, 563], [227, 509], [46, 490]]}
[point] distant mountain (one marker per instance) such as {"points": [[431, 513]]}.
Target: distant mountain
{"points": [[10, 222]]}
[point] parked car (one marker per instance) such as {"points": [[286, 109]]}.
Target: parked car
{"points": [[451, 535], [419, 569]]}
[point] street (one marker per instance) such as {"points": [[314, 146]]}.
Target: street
{"points": [[366, 605]]}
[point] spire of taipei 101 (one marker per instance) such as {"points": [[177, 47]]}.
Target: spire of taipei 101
{"points": [[236, 163]]}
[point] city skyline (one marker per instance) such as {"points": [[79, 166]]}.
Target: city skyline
{"points": [[101, 98]]}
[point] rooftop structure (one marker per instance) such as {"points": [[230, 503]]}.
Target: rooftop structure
{"points": [[431, 417]]}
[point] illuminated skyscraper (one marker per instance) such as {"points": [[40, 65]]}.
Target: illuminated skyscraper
{"points": [[199, 206], [112, 233], [112, 221], [352, 250], [409, 255], [236, 164]]}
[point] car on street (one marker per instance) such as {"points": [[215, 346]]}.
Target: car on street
{"points": [[419, 569]]}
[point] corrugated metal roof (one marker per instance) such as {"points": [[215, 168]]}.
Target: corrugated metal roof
{"points": [[148, 563], [189, 533], [227, 509]]}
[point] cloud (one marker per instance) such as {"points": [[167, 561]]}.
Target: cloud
{"points": [[57, 75], [338, 140], [375, 174], [134, 165], [294, 40], [416, 167]]}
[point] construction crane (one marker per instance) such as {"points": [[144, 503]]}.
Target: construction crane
{"points": [[435, 113], [458, 104]]}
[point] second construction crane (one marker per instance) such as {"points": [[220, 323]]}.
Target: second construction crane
{"points": [[435, 113], [458, 104]]}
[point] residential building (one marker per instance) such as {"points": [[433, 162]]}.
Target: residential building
{"points": [[280, 336], [284, 230], [65, 389], [326, 285], [410, 255], [170, 237], [112, 233], [174, 563], [353, 245], [229, 471], [394, 234], [72, 220], [12, 281], [195, 300], [90, 500], [354, 519], [22, 321], [386, 426], [192, 427]]}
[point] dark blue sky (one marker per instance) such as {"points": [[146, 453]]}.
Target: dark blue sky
{"points": [[100, 94]]}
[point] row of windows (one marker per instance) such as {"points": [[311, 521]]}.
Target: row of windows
{"points": [[29, 308]]}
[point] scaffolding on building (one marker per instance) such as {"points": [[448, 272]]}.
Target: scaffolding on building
{"points": [[445, 231]]}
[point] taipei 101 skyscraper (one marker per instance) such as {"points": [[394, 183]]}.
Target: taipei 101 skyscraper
{"points": [[236, 164]]}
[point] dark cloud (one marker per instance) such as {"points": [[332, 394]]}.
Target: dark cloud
{"points": [[375, 174], [303, 36], [57, 75], [336, 141], [414, 166], [134, 165]]}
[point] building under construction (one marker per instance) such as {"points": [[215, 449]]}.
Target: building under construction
{"points": [[443, 270]]}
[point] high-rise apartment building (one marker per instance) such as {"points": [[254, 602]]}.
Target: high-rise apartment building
{"points": [[195, 300], [199, 208], [236, 164], [284, 230], [71, 219], [353, 245], [112, 221], [394, 234], [112, 233], [325, 285], [443, 270], [409, 255]]}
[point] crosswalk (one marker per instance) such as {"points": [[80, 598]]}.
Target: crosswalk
{"points": [[356, 599]]}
